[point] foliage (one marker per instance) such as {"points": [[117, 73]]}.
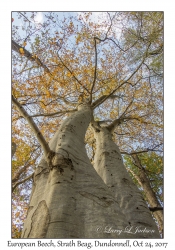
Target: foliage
{"points": [[152, 163], [115, 60]]}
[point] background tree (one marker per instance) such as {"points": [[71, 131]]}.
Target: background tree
{"points": [[114, 64], [147, 172]]}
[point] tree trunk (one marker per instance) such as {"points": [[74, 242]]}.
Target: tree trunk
{"points": [[70, 200], [13, 148], [149, 193], [109, 165]]}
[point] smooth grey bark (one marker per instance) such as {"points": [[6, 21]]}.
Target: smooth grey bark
{"points": [[70, 200], [149, 193], [109, 165]]}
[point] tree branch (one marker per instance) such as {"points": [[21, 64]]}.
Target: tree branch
{"points": [[72, 74], [154, 209], [119, 120], [142, 151], [33, 126], [114, 124], [124, 82], [26, 165], [28, 55], [95, 71], [156, 51], [56, 113], [135, 176], [13, 148], [96, 103], [20, 182]]}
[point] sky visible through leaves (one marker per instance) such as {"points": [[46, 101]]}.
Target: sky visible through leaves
{"points": [[70, 44]]}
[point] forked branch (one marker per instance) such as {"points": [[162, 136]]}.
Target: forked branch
{"points": [[71, 72]]}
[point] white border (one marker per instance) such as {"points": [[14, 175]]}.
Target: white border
{"points": [[5, 96]]}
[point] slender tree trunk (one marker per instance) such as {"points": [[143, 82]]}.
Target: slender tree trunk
{"points": [[13, 148], [109, 165], [149, 193], [70, 200]]}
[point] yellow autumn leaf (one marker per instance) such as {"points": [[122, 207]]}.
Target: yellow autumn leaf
{"points": [[17, 214], [24, 44], [21, 51], [78, 38], [34, 56], [48, 93], [68, 74], [42, 105]]}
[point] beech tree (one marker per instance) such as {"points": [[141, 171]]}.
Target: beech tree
{"points": [[85, 87]]}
